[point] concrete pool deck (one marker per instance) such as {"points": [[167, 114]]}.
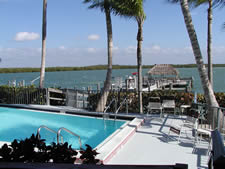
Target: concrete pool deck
{"points": [[150, 146]]}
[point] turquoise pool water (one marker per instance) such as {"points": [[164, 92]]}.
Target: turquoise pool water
{"points": [[20, 124]]}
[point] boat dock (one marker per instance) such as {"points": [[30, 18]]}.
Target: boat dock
{"points": [[160, 77]]}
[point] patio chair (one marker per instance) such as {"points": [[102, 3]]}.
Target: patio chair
{"points": [[189, 124], [168, 104], [153, 106]]}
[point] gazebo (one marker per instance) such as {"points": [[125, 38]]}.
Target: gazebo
{"points": [[161, 71]]}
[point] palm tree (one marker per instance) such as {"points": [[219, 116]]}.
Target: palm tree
{"points": [[43, 52], [134, 9], [207, 87], [209, 37], [105, 6], [140, 20]]}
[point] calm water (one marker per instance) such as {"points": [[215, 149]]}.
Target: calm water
{"points": [[80, 79], [20, 124]]}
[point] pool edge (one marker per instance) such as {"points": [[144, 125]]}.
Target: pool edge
{"points": [[107, 151]]}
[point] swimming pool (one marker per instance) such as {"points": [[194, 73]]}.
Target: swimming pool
{"points": [[20, 124]]}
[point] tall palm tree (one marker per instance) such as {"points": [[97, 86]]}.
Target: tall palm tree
{"points": [[105, 6], [207, 87], [43, 52], [140, 20], [209, 34], [134, 9], [210, 3]]}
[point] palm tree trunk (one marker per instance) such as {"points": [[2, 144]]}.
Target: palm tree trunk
{"points": [[139, 62], [103, 99], [43, 52], [207, 87], [209, 43]]}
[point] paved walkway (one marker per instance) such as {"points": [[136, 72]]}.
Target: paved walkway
{"points": [[150, 146]]}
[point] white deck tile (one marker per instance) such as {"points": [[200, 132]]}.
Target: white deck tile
{"points": [[149, 146]]}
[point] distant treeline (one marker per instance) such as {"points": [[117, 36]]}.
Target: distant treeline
{"points": [[95, 67]]}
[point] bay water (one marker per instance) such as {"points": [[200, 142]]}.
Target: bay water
{"points": [[83, 79]]}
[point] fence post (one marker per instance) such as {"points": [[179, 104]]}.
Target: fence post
{"points": [[83, 101], [98, 88], [218, 118], [47, 97], [76, 97]]}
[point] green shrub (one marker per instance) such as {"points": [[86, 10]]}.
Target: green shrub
{"points": [[181, 98], [34, 149]]}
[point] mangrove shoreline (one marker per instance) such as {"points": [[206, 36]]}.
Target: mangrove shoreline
{"points": [[93, 67]]}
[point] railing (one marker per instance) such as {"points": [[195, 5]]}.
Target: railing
{"points": [[22, 95], [58, 133], [77, 98], [125, 100], [217, 119], [114, 100], [32, 81], [47, 128], [62, 128]]}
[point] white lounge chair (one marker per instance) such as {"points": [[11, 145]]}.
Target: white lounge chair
{"points": [[169, 104], [152, 106]]}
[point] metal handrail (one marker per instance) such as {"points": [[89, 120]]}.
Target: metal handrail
{"points": [[32, 81], [45, 127], [120, 107], [109, 105], [62, 128]]}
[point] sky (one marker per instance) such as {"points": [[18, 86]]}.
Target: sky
{"points": [[76, 35]]}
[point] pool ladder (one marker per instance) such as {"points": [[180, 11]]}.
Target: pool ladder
{"points": [[58, 133]]}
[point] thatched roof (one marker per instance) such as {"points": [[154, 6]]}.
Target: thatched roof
{"points": [[163, 70]]}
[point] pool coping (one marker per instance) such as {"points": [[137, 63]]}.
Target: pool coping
{"points": [[109, 148], [68, 110]]}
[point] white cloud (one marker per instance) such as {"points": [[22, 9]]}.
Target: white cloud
{"points": [[26, 36], [62, 47], [93, 37], [131, 49], [115, 48], [91, 50], [156, 47], [31, 57]]}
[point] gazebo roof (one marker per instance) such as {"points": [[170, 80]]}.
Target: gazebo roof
{"points": [[163, 70]]}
